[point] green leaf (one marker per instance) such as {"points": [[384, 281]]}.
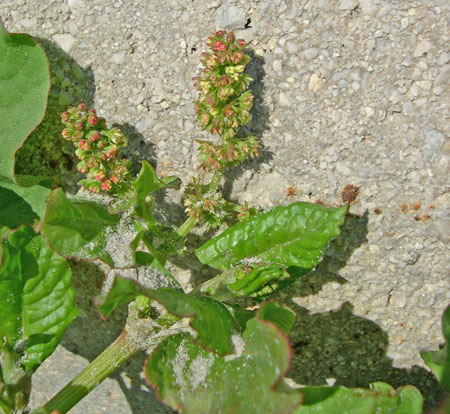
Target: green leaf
{"points": [[19, 205], [211, 319], [380, 399], [192, 380], [77, 229], [439, 361], [295, 235], [281, 316], [24, 86], [36, 296]]}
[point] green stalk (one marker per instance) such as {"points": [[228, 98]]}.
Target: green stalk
{"points": [[190, 223], [106, 363], [215, 181]]}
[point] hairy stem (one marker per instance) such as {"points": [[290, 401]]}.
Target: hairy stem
{"points": [[107, 362]]}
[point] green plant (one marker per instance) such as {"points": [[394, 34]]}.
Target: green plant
{"points": [[230, 357]]}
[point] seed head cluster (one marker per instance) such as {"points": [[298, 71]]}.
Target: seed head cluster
{"points": [[97, 148]]}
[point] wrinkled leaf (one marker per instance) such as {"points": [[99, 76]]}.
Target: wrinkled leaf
{"points": [[439, 361], [36, 296], [24, 86], [380, 399], [192, 380], [77, 229], [295, 235], [210, 318], [19, 205]]}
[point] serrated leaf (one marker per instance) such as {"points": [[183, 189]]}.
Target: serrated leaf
{"points": [[24, 86], [210, 318], [77, 229], [439, 361], [20, 205], [381, 398], [36, 296], [295, 235], [192, 380]]}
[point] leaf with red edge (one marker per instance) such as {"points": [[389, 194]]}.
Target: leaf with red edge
{"points": [[192, 380]]}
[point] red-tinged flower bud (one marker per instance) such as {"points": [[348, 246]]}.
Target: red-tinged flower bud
{"points": [[240, 43], [223, 58], [75, 116], [220, 33], [211, 61], [83, 144], [77, 135], [92, 162], [115, 179], [227, 111], [82, 107], [66, 133], [82, 167], [101, 144], [205, 119], [78, 125], [230, 38], [98, 175], [93, 111], [110, 153], [106, 185], [65, 116], [225, 80], [238, 57], [93, 120], [219, 46], [93, 136], [211, 100]]}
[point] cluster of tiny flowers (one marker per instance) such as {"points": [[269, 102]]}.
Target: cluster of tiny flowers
{"points": [[206, 205], [223, 105], [98, 149], [230, 152]]}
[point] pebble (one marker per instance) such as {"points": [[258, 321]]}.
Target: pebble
{"points": [[65, 41], [230, 17], [315, 83], [349, 5], [434, 141], [443, 76], [368, 7], [423, 47], [284, 99]]}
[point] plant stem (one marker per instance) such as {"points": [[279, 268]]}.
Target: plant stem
{"points": [[215, 181], [187, 226], [107, 362], [190, 222]]}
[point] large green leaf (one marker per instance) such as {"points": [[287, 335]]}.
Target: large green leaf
{"points": [[78, 229], [214, 323], [192, 380], [380, 399], [20, 205], [24, 86], [439, 361], [295, 235], [36, 296]]}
